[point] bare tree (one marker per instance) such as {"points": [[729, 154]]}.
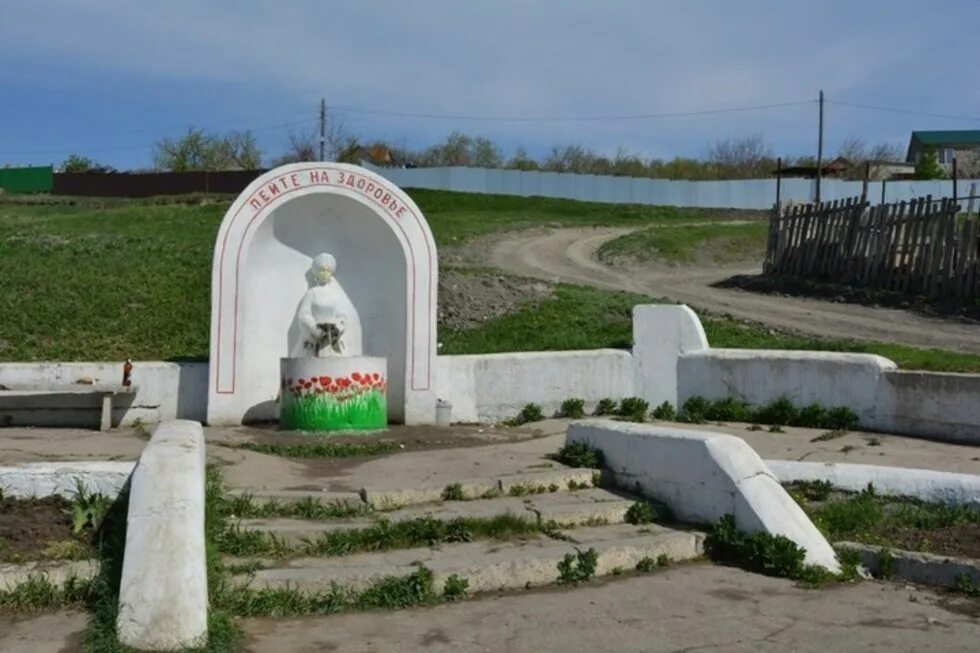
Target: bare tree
{"points": [[301, 145], [199, 150], [886, 152], [741, 157]]}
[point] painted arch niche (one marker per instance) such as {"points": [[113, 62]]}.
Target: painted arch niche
{"points": [[386, 262]]}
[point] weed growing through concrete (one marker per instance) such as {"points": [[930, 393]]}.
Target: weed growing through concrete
{"points": [[665, 412], [646, 564], [578, 567], [810, 490], [580, 455], [530, 413], [38, 593], [318, 449], [640, 512], [606, 406], [829, 435], [455, 588], [453, 492], [572, 408], [873, 441], [776, 428], [966, 585], [574, 485], [246, 507], [88, 509]]}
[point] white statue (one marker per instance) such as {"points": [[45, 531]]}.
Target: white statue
{"points": [[328, 322]]}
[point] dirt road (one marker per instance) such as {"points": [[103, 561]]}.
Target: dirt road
{"points": [[568, 255]]}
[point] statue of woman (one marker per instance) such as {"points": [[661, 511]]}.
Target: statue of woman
{"points": [[328, 322]]}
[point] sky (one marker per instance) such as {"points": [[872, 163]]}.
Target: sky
{"points": [[109, 78]]}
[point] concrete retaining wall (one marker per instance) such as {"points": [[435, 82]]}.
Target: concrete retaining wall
{"points": [[702, 477], [165, 390], [924, 484], [28, 480], [163, 594], [940, 406], [494, 387]]}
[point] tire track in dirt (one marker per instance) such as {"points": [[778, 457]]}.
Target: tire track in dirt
{"points": [[568, 255]]}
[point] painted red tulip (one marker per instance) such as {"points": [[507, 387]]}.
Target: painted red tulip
{"points": [[325, 380], [356, 376]]}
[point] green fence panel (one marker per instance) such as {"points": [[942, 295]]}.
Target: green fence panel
{"points": [[38, 179]]}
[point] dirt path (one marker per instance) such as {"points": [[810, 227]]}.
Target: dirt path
{"points": [[568, 255]]}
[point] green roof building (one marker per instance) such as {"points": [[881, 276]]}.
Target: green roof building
{"points": [[947, 143]]}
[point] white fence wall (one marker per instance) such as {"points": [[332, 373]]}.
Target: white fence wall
{"points": [[736, 193]]}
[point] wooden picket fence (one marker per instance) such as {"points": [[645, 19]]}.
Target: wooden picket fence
{"points": [[918, 247]]}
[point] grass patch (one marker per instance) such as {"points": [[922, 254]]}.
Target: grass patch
{"points": [[381, 536], [680, 244], [245, 506], [891, 522], [780, 412], [572, 408], [317, 449]]}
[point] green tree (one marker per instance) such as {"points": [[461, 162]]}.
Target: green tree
{"points": [[77, 163], [928, 166]]}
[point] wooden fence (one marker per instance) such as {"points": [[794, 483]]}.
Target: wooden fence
{"points": [[918, 247]]}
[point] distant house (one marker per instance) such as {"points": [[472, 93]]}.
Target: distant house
{"points": [[831, 169], [960, 143]]}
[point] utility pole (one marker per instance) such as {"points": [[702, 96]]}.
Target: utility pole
{"points": [[820, 148], [323, 129]]}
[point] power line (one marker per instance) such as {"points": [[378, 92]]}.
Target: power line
{"points": [[644, 116], [906, 111]]}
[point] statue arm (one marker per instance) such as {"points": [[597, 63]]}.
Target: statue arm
{"points": [[305, 313]]}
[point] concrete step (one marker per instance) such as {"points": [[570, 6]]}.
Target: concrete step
{"points": [[589, 506], [487, 566], [556, 479], [56, 572], [560, 479]]}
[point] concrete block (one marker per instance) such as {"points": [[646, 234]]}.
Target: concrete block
{"points": [[163, 594], [56, 572], [703, 476], [28, 480], [661, 334], [924, 484], [915, 567]]}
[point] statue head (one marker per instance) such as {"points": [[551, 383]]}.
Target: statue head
{"points": [[323, 268]]}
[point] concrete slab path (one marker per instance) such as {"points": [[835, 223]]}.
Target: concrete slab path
{"points": [[686, 608]]}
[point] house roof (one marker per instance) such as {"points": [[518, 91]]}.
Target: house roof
{"points": [[941, 138]]}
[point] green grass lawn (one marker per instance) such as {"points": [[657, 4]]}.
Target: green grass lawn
{"points": [[680, 244], [117, 279]]}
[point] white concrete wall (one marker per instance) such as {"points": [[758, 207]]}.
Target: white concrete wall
{"points": [[661, 335], [735, 193], [163, 592], [759, 376], [702, 477], [924, 484], [27, 480], [494, 387], [936, 405], [165, 390]]}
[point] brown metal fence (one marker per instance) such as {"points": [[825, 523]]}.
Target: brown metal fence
{"points": [[147, 184], [917, 247]]}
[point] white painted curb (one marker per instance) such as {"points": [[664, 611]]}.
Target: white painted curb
{"points": [[924, 484], [39, 480], [702, 477], [163, 595]]}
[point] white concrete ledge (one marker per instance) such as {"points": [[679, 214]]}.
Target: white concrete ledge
{"points": [[702, 477], [916, 567], [163, 594], [39, 480], [924, 484]]}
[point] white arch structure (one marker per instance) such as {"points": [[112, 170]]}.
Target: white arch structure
{"points": [[386, 261]]}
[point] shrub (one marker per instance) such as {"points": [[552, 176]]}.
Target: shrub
{"points": [[781, 412], [580, 454], [646, 564], [530, 413], [640, 512], [578, 567], [633, 408], [813, 490], [665, 411], [572, 408], [606, 406], [841, 418], [453, 492], [772, 555], [812, 416], [455, 588], [728, 410], [694, 409]]}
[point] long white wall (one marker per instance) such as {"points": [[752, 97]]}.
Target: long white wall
{"points": [[736, 193]]}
